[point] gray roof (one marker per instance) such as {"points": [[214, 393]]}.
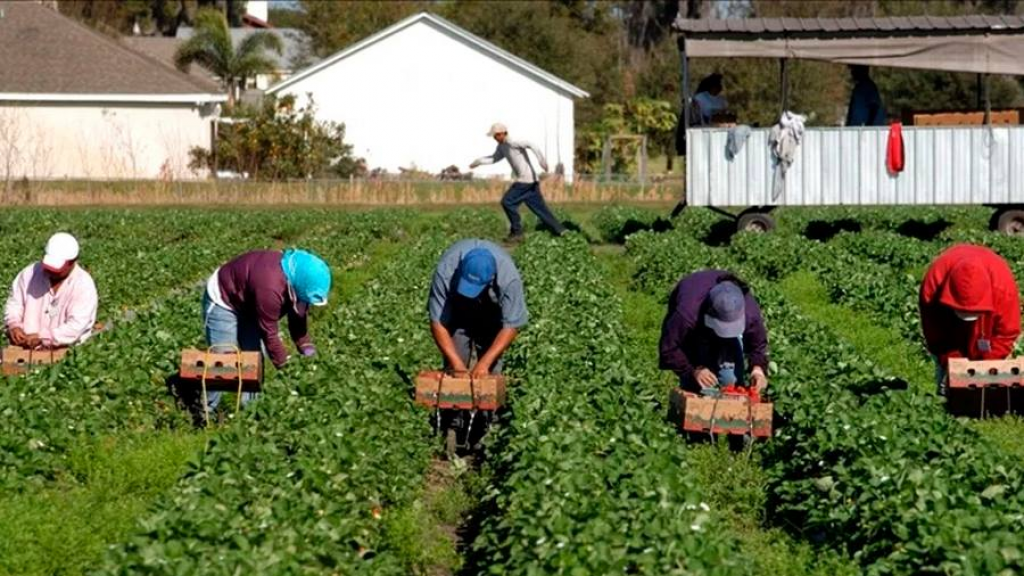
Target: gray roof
{"points": [[737, 28], [45, 53], [163, 48], [293, 40]]}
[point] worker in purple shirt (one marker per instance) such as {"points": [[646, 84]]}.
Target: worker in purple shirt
{"points": [[246, 298], [713, 331]]}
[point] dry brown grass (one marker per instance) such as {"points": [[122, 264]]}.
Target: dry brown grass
{"points": [[355, 192]]}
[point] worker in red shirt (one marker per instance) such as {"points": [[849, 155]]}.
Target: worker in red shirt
{"points": [[969, 307]]}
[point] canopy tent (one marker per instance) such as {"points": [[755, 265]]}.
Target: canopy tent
{"points": [[977, 44]]}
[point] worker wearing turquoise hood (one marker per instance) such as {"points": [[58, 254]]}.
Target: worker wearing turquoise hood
{"points": [[246, 299]]}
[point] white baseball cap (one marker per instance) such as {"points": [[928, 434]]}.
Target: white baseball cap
{"points": [[497, 128], [60, 248]]}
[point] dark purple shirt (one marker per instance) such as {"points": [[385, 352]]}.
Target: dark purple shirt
{"points": [[683, 333], [255, 287]]}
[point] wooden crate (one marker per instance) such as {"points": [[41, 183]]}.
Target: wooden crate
{"points": [[221, 370], [985, 388], [438, 390], [16, 360], [728, 414], [961, 118], [964, 373]]}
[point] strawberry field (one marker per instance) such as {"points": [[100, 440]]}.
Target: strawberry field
{"points": [[335, 470]]}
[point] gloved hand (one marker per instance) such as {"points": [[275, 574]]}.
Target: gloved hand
{"points": [[726, 376], [308, 350]]}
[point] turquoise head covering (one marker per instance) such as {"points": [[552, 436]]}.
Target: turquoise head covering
{"points": [[309, 276]]}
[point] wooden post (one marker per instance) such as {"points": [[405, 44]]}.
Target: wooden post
{"points": [[784, 81]]}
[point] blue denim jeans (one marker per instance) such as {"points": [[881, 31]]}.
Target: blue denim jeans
{"points": [[225, 332], [521, 192]]}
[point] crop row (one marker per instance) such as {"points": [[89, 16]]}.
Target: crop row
{"points": [[588, 478], [117, 380], [307, 479], [881, 474]]}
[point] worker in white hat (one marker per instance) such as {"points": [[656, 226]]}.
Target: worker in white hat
{"points": [[526, 187], [52, 302]]}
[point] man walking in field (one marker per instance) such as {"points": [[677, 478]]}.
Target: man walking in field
{"points": [[526, 187]]}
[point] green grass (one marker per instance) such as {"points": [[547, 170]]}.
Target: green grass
{"points": [[883, 344], [425, 536], [733, 482], [65, 527]]}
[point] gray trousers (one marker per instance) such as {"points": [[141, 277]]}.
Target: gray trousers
{"points": [[478, 341]]}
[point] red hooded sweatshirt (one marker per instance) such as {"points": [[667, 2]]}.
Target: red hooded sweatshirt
{"points": [[969, 279]]}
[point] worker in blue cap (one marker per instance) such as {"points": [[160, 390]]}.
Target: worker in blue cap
{"points": [[246, 299], [476, 305]]}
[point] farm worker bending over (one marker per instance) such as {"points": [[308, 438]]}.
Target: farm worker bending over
{"points": [[246, 298], [53, 302], [969, 307], [526, 187], [476, 303], [713, 331]]}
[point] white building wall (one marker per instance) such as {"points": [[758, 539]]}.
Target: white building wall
{"points": [[48, 140], [422, 98]]}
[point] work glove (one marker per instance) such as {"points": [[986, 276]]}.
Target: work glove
{"points": [[726, 376], [308, 350]]}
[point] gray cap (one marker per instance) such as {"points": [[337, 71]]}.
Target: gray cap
{"points": [[727, 312]]}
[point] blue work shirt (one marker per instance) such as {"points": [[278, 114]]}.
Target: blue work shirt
{"points": [[505, 292], [864, 100]]}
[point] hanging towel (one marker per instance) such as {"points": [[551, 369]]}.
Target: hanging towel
{"points": [[895, 158], [736, 140], [783, 142]]}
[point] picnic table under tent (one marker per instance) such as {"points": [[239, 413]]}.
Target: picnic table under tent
{"points": [[944, 165]]}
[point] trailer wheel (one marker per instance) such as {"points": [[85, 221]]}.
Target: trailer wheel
{"points": [[755, 222], [1011, 222]]}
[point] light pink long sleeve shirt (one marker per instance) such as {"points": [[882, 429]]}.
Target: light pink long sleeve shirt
{"points": [[60, 318]]}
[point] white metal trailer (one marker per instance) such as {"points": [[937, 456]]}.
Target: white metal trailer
{"points": [[842, 166]]}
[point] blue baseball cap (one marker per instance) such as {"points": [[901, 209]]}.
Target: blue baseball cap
{"points": [[476, 270], [727, 312]]}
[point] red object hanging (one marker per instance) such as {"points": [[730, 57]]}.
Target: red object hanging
{"points": [[895, 158]]}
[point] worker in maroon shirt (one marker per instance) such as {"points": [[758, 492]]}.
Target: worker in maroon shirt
{"points": [[246, 299], [713, 331]]}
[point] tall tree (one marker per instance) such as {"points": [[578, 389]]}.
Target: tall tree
{"points": [[211, 47], [333, 25]]}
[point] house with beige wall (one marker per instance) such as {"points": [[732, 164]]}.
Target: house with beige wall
{"points": [[75, 104]]}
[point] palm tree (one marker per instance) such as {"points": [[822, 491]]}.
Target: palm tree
{"points": [[211, 48]]}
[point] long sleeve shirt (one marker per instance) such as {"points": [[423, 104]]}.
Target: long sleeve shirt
{"points": [[60, 318], [684, 335], [506, 292], [518, 158], [993, 334], [254, 286], [866, 108]]}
